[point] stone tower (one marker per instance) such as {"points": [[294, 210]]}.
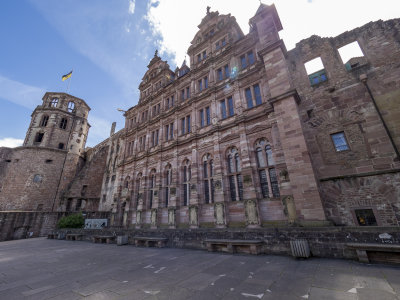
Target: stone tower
{"points": [[38, 173], [60, 123]]}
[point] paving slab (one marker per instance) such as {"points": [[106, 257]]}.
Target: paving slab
{"points": [[53, 269]]}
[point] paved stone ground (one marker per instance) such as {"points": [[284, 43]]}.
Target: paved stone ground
{"points": [[54, 269]]}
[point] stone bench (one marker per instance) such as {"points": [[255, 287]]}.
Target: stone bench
{"points": [[74, 237], [107, 239], [362, 249], [234, 246], [52, 236], [150, 241]]}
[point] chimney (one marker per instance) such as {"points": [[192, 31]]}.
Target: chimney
{"points": [[113, 128]]}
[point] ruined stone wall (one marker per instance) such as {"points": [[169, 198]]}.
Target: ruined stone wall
{"points": [[84, 190], [5, 160], [366, 173], [32, 178]]}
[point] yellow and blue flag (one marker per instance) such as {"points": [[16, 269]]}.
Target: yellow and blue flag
{"points": [[66, 76]]}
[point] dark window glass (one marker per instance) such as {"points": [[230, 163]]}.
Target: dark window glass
{"points": [[166, 132], [208, 115], [219, 74], [232, 188], [63, 123], [274, 182], [185, 194], [183, 95], [202, 118], [39, 137], [264, 183], [183, 126], [226, 68], [249, 98], [60, 146], [187, 92], [240, 186], [223, 109], [206, 191], [44, 121], [171, 131], [200, 85], [243, 61], [257, 94], [230, 106], [188, 124], [250, 57], [365, 217], [205, 82]]}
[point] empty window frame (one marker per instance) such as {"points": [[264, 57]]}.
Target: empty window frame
{"points": [[234, 175], [54, 102], [71, 106], [349, 53], [205, 117], [43, 122], [365, 217], [39, 137], [339, 141], [61, 146], [247, 59], [226, 107], [253, 96], [315, 71], [63, 123]]}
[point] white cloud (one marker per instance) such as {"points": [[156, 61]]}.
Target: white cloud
{"points": [[11, 142], [20, 93], [132, 7], [300, 18]]}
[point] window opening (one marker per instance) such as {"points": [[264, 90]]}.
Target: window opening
{"points": [[339, 141], [365, 217], [315, 71]]}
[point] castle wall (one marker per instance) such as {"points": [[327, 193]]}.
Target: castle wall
{"points": [[366, 175]]}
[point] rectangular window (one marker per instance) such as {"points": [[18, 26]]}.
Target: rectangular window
{"points": [[257, 94], [198, 58], [167, 103], [202, 118], [204, 54], [208, 118], [188, 124], [339, 140], [223, 109], [365, 217], [206, 192], [206, 82], [187, 92], [230, 106], [183, 126], [166, 132], [274, 182], [171, 131], [232, 187], [250, 57], [183, 95], [200, 82], [223, 42], [172, 101], [217, 46], [219, 74], [249, 99], [185, 194], [243, 61], [227, 73], [264, 183], [39, 137]]}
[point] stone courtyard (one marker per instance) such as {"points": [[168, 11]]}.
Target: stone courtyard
{"points": [[57, 269]]}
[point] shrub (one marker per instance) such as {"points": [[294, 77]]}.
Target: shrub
{"points": [[71, 221]]}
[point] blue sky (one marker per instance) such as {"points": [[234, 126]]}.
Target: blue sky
{"points": [[108, 44]]}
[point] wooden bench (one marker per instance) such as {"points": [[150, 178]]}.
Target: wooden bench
{"points": [[150, 241], [234, 246], [74, 237], [108, 239], [363, 250]]}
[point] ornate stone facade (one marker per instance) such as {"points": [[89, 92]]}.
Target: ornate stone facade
{"points": [[243, 138]]}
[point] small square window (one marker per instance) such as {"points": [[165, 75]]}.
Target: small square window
{"points": [[365, 217], [339, 140]]}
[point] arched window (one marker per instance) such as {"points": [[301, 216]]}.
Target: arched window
{"points": [[71, 106], [63, 123], [152, 187], [208, 173], [43, 122], [168, 182], [54, 102], [234, 174], [266, 170], [186, 176]]}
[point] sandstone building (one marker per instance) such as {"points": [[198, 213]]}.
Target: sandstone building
{"points": [[244, 137]]}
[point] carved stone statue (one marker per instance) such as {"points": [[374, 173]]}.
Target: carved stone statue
{"points": [[193, 216], [251, 212], [171, 217]]}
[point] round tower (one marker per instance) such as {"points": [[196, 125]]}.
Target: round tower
{"points": [[59, 123]]}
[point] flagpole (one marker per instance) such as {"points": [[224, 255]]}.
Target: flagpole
{"points": [[69, 81]]}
